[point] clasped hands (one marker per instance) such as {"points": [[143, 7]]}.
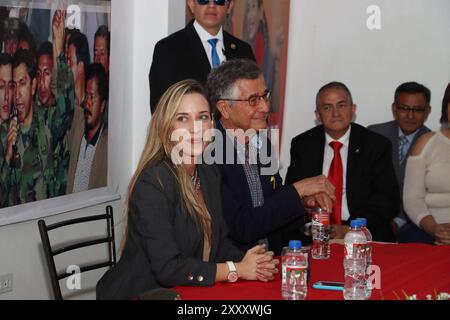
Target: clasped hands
{"points": [[258, 264], [441, 233], [316, 191]]}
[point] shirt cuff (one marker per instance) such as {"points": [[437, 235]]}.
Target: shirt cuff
{"points": [[400, 222]]}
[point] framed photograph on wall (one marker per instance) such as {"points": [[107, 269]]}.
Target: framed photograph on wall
{"points": [[54, 80]]}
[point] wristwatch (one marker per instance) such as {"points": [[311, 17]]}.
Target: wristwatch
{"points": [[232, 273]]}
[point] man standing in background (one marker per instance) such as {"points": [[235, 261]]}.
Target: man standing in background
{"points": [[191, 52]]}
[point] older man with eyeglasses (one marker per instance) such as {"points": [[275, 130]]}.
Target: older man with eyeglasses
{"points": [[256, 205], [193, 51], [410, 109], [356, 160]]}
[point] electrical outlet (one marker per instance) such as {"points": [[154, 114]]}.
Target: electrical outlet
{"points": [[6, 283]]}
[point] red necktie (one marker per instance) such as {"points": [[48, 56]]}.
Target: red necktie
{"points": [[335, 175]]}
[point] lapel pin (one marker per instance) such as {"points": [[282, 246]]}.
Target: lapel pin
{"points": [[357, 151], [233, 46], [273, 180]]}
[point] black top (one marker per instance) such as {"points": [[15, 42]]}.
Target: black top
{"points": [[165, 246]]}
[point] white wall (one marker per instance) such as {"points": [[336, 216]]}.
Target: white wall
{"points": [[136, 26], [177, 19], [329, 41]]}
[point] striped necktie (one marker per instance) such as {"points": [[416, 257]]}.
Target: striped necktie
{"points": [[402, 148]]}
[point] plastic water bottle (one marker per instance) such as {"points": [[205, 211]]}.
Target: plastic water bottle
{"points": [[296, 272], [355, 263], [320, 230], [368, 255], [284, 292]]}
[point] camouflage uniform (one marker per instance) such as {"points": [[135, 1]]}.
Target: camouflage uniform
{"points": [[61, 122], [40, 172], [57, 120], [25, 175]]}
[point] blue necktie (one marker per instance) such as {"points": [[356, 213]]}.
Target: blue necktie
{"points": [[215, 57], [402, 148]]}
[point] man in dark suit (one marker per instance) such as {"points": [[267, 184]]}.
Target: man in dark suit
{"points": [[191, 52], [256, 205], [355, 159], [411, 108]]}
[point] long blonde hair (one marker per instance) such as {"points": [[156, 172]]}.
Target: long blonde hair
{"points": [[159, 147]]}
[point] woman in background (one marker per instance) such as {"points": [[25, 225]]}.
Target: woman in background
{"points": [[427, 181], [176, 235]]}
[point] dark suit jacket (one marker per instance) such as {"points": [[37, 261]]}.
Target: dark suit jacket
{"points": [[165, 247], [182, 56], [247, 225], [372, 189], [390, 130]]}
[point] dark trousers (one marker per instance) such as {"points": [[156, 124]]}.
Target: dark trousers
{"points": [[411, 233]]}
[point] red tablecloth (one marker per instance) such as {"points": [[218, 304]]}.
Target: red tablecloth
{"points": [[412, 268]]}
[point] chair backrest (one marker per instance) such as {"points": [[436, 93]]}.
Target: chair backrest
{"points": [[52, 251]]}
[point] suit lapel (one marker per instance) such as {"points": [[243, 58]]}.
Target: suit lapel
{"points": [[197, 49], [317, 151], [395, 152], [421, 132], [353, 156], [230, 46]]}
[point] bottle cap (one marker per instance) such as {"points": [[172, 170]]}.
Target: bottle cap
{"points": [[363, 221], [355, 224], [295, 244]]}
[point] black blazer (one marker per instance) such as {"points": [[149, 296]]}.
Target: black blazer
{"points": [[390, 130], [247, 225], [371, 187], [165, 246], [182, 56]]}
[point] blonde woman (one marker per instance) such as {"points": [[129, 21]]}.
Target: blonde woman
{"points": [[175, 231]]}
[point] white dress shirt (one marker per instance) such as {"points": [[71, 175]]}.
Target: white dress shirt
{"points": [[205, 36], [328, 156]]}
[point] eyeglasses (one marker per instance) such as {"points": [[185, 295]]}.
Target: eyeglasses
{"points": [[253, 100], [407, 109], [216, 2]]}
